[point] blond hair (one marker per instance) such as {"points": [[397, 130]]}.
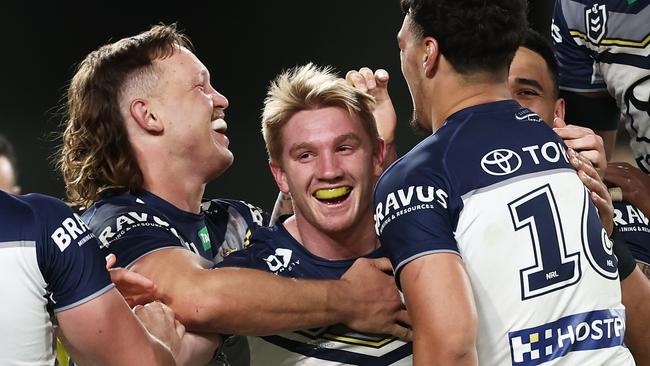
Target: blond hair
{"points": [[310, 87], [95, 153]]}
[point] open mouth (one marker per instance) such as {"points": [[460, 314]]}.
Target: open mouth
{"points": [[333, 196], [219, 125]]}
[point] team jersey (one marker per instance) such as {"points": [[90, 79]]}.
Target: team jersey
{"points": [[635, 228], [494, 186], [49, 262], [605, 45], [275, 250], [131, 225]]}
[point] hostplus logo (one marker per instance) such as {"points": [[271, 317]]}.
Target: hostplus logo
{"points": [[578, 332]]}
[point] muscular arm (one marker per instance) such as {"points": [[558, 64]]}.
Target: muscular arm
{"points": [[251, 302], [104, 331], [440, 301]]}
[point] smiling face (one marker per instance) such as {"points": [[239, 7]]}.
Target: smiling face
{"points": [[530, 84], [192, 113], [329, 165]]}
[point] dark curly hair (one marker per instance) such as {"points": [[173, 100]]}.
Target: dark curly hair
{"points": [[473, 35], [96, 154]]}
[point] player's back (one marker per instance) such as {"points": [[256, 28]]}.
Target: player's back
{"points": [[541, 267]]}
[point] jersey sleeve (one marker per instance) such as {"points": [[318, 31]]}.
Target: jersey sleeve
{"points": [[579, 71], [68, 255], [256, 255], [413, 218], [232, 224], [132, 232]]}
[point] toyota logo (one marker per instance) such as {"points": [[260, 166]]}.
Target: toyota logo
{"points": [[501, 162]]}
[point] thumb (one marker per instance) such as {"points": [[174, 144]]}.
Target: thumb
{"points": [[383, 264]]}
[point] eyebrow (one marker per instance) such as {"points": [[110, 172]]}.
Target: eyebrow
{"points": [[338, 140], [529, 82]]}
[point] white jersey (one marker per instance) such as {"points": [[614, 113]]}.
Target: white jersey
{"points": [[605, 45], [494, 185]]}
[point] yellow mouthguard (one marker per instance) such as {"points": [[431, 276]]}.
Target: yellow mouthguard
{"points": [[328, 194]]}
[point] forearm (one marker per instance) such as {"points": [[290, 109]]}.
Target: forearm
{"points": [[249, 302]]}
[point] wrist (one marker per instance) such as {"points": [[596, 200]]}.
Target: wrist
{"points": [[338, 301]]}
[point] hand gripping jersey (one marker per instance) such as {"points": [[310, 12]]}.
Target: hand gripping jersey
{"points": [[49, 262], [275, 250], [605, 45], [494, 185], [135, 224], [635, 228]]}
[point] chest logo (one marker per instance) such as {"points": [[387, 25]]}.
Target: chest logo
{"points": [[280, 259], [596, 23], [501, 162]]}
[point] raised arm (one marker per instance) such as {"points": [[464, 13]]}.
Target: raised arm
{"points": [[376, 84]]}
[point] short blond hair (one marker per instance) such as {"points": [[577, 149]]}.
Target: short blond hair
{"points": [[310, 87]]}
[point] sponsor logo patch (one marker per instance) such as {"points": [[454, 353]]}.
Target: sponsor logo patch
{"points": [[579, 332]]}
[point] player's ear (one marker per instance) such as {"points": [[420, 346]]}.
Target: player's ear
{"points": [[141, 111], [559, 108], [431, 56], [378, 157], [279, 176]]}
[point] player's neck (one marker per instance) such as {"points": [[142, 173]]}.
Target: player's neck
{"points": [[183, 194], [359, 240], [455, 93]]}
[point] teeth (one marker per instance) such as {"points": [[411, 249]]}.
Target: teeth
{"points": [[219, 125], [328, 194]]}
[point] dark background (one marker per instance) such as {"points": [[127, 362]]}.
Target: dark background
{"points": [[243, 44]]}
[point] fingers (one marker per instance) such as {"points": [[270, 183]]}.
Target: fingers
{"points": [[403, 333], [616, 193], [381, 77], [403, 318], [180, 328], [357, 80], [369, 77], [110, 261], [368, 82], [585, 141], [383, 264]]}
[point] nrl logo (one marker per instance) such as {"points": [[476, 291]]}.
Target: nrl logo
{"points": [[596, 23]]}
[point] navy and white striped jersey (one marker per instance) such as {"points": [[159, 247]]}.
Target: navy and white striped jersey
{"points": [[131, 225], [275, 250], [495, 186], [49, 262], [605, 45]]}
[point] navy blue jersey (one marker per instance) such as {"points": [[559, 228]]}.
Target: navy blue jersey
{"points": [[494, 186], [275, 250], [132, 225], [48, 260], [635, 228], [605, 45]]}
